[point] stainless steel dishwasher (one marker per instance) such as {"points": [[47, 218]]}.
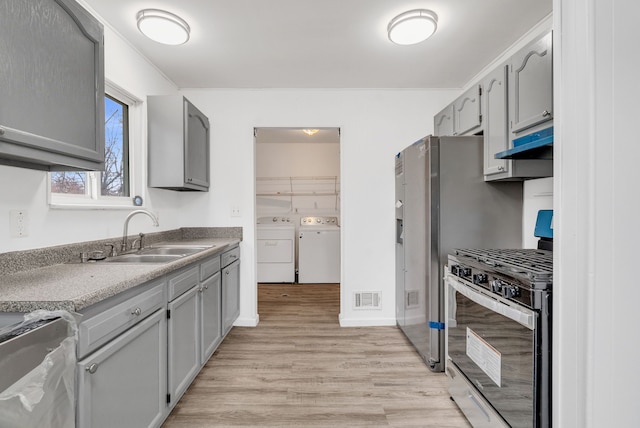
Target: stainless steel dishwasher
{"points": [[37, 359]]}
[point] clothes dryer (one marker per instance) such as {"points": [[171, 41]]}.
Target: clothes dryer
{"points": [[319, 250]]}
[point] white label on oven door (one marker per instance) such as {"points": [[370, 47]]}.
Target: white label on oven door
{"points": [[484, 355]]}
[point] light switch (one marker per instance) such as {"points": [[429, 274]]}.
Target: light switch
{"points": [[235, 212]]}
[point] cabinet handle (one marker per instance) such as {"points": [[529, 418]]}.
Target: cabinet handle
{"points": [[545, 113], [136, 312], [206, 287], [227, 271], [92, 368], [1, 130], [200, 290], [500, 168]]}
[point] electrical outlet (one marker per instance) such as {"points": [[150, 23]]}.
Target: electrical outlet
{"points": [[18, 223], [235, 212]]}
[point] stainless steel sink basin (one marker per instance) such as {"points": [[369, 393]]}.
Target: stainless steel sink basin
{"points": [[169, 251], [157, 254], [144, 258]]}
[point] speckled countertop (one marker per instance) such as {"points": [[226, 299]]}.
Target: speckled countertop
{"points": [[76, 286]]}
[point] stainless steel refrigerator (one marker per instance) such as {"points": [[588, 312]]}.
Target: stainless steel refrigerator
{"points": [[442, 203]]}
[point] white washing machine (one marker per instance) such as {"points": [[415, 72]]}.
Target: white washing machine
{"points": [[319, 250], [276, 249]]}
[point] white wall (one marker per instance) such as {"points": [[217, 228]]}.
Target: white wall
{"points": [[596, 341], [303, 159], [23, 189], [538, 195], [375, 125]]}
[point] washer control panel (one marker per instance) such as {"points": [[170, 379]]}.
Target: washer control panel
{"points": [[319, 221], [274, 220]]}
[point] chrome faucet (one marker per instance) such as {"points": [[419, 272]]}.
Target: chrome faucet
{"points": [[123, 246]]}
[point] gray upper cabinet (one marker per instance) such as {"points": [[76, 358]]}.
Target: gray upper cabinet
{"points": [[443, 122], [496, 135], [466, 111], [52, 86], [178, 135], [531, 85]]}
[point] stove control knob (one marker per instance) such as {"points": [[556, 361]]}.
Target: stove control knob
{"points": [[455, 270], [480, 278], [510, 292], [275, 219], [497, 285], [465, 271]]}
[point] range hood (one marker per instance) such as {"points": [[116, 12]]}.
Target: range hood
{"points": [[538, 145]]}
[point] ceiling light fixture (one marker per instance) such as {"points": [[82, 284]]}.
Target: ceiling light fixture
{"points": [[310, 132], [163, 27], [412, 27]]}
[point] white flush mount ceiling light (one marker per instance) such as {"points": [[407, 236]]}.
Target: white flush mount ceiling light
{"points": [[163, 27], [412, 27], [310, 132]]}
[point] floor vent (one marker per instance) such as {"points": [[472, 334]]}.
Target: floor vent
{"points": [[366, 300]]}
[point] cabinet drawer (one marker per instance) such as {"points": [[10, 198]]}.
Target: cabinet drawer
{"points": [[99, 329], [181, 282], [230, 256], [209, 267]]}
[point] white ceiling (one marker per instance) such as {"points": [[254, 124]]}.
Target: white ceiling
{"points": [[325, 43]]}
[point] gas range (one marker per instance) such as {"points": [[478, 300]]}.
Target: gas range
{"points": [[514, 274]]}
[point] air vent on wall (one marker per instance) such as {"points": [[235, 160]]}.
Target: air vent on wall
{"points": [[413, 299], [366, 300]]}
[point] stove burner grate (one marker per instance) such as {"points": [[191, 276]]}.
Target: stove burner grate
{"points": [[533, 264]]}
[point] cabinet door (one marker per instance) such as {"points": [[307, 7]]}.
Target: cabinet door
{"points": [[52, 85], [196, 146], [531, 85], [210, 308], [183, 342], [230, 295], [466, 111], [124, 384], [443, 122], [496, 135]]}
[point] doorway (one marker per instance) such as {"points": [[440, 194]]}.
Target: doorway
{"points": [[297, 173]]}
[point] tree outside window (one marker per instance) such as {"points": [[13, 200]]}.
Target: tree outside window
{"points": [[114, 180]]}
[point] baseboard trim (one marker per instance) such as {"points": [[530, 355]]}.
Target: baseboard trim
{"points": [[366, 322], [247, 322]]}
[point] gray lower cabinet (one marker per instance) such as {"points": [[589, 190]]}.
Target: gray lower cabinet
{"points": [[178, 140], [443, 122], [123, 384], [230, 295], [466, 111], [211, 318], [140, 350], [183, 337], [52, 86], [531, 85]]}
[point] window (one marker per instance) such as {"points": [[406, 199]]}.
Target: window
{"points": [[113, 186]]}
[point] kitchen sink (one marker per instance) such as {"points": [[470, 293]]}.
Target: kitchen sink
{"points": [[144, 258], [157, 254], [171, 251]]}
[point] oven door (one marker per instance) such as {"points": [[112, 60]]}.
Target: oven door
{"points": [[492, 342]]}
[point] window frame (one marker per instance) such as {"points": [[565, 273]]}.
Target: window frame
{"points": [[93, 199]]}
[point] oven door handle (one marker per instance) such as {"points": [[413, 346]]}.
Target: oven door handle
{"points": [[522, 316]]}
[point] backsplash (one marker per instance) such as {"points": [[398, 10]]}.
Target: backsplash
{"points": [[18, 261]]}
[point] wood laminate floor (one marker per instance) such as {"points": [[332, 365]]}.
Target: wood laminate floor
{"points": [[299, 368]]}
